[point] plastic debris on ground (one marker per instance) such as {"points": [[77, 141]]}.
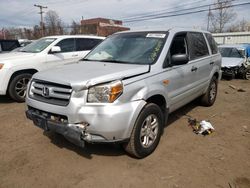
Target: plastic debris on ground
{"points": [[203, 127]]}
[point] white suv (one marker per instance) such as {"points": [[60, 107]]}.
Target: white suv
{"points": [[16, 68]]}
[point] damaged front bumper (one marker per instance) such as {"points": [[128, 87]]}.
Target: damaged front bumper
{"points": [[229, 72], [75, 133]]}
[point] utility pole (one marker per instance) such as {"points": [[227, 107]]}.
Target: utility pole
{"points": [[81, 25], [208, 17], [41, 13]]}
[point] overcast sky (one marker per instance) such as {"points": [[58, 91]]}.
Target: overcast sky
{"points": [[15, 13]]}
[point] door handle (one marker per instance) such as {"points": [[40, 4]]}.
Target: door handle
{"points": [[194, 69], [75, 55], [211, 63]]}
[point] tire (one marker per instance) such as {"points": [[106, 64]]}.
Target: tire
{"points": [[146, 132], [18, 86], [247, 74], [209, 97]]}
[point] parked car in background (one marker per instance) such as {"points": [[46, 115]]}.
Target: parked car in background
{"points": [[234, 61], [24, 42], [8, 45], [124, 89], [16, 68]]}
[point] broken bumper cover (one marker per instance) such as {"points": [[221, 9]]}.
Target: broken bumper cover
{"points": [[74, 133], [230, 71]]}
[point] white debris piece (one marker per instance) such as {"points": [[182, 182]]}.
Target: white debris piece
{"points": [[205, 126]]}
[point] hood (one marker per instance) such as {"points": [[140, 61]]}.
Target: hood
{"points": [[15, 56], [84, 74], [231, 62]]}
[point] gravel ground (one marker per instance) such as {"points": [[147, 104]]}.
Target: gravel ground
{"points": [[31, 158]]}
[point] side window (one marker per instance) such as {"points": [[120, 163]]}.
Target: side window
{"points": [[86, 44], [67, 45], [197, 45], [177, 48], [212, 43]]}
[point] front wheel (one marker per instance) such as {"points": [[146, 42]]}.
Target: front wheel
{"points": [[146, 132], [18, 87], [209, 97]]}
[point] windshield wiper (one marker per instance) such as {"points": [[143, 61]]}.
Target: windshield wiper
{"points": [[110, 61], [114, 61], [87, 60]]}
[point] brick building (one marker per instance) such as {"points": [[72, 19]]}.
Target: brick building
{"points": [[101, 26]]}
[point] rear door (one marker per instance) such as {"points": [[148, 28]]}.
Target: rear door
{"points": [[84, 45], [200, 59]]}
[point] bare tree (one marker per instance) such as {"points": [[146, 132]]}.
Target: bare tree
{"points": [[239, 26], [36, 32], [243, 25], [53, 23], [75, 28], [221, 15]]}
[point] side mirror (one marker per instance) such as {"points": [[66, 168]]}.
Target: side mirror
{"points": [[55, 49], [179, 59]]}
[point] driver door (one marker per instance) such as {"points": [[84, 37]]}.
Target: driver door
{"points": [[181, 75], [67, 54]]}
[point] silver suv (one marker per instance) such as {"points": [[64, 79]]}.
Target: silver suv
{"points": [[124, 89]]}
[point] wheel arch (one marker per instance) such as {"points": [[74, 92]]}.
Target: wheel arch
{"points": [[31, 71], [158, 100], [216, 74]]}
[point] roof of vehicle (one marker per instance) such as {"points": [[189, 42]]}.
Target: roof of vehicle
{"points": [[174, 29], [75, 36]]}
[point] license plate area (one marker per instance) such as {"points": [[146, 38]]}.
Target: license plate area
{"points": [[40, 121]]}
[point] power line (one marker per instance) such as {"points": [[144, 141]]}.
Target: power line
{"points": [[163, 10], [179, 14], [41, 13], [175, 11]]}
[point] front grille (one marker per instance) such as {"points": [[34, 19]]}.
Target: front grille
{"points": [[51, 93]]}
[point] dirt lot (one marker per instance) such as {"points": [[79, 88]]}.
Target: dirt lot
{"points": [[31, 158]]}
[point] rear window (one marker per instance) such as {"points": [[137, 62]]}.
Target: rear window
{"points": [[197, 45], [212, 43], [86, 44]]}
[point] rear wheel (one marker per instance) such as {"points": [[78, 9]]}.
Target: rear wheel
{"points": [[146, 133], [18, 87], [209, 97], [247, 74]]}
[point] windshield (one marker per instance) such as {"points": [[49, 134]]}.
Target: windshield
{"points": [[129, 48], [38, 45], [231, 52]]}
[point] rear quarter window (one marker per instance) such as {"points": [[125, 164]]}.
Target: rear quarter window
{"points": [[197, 45], [212, 43], [83, 44]]}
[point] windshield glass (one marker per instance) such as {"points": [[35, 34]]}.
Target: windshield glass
{"points": [[130, 48], [231, 52], [38, 45]]}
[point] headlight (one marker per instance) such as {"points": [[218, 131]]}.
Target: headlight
{"points": [[105, 93], [1, 65]]}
